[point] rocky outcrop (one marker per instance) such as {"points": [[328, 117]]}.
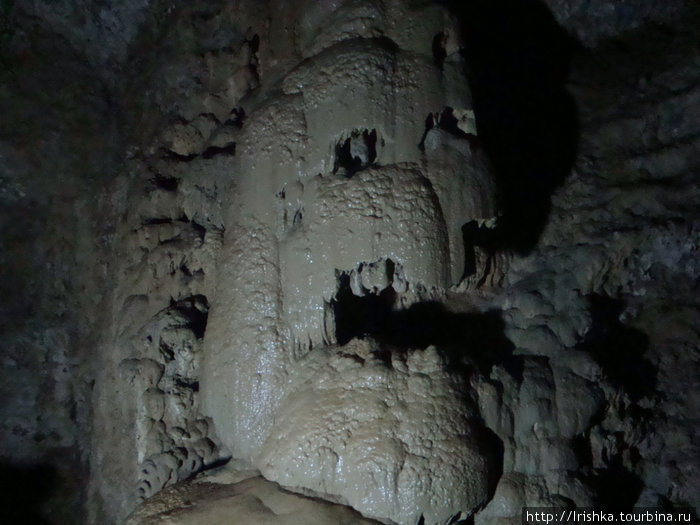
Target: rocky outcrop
{"points": [[347, 190], [171, 231], [251, 500], [591, 22], [433, 262], [594, 320], [395, 440]]}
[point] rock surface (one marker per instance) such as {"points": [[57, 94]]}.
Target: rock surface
{"points": [[435, 262], [253, 500], [339, 194], [591, 22], [393, 440]]}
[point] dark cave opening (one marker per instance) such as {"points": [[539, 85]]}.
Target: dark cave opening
{"points": [[448, 121], [518, 65]]}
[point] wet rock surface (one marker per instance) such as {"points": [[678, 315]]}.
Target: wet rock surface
{"points": [[392, 439], [398, 256], [253, 500]]}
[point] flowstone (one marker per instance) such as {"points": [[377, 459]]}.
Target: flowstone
{"points": [[395, 439], [337, 179], [269, 230], [248, 501]]}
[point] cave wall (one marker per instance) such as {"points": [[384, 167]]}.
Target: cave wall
{"points": [[59, 143], [399, 255]]}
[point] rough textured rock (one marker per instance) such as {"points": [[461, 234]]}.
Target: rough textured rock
{"points": [[335, 181], [389, 438], [595, 317], [252, 500], [436, 261], [591, 22]]}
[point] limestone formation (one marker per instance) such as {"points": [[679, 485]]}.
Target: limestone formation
{"points": [[393, 439], [335, 182], [401, 262], [251, 500]]}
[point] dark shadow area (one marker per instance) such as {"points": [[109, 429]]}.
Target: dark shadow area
{"points": [[24, 491], [213, 151], [466, 339], [356, 152], [237, 117], [581, 447], [171, 155], [618, 349], [195, 309], [518, 61], [474, 235], [165, 183], [665, 505], [618, 489], [581, 443], [429, 124], [447, 121], [439, 52], [360, 316], [494, 451]]}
